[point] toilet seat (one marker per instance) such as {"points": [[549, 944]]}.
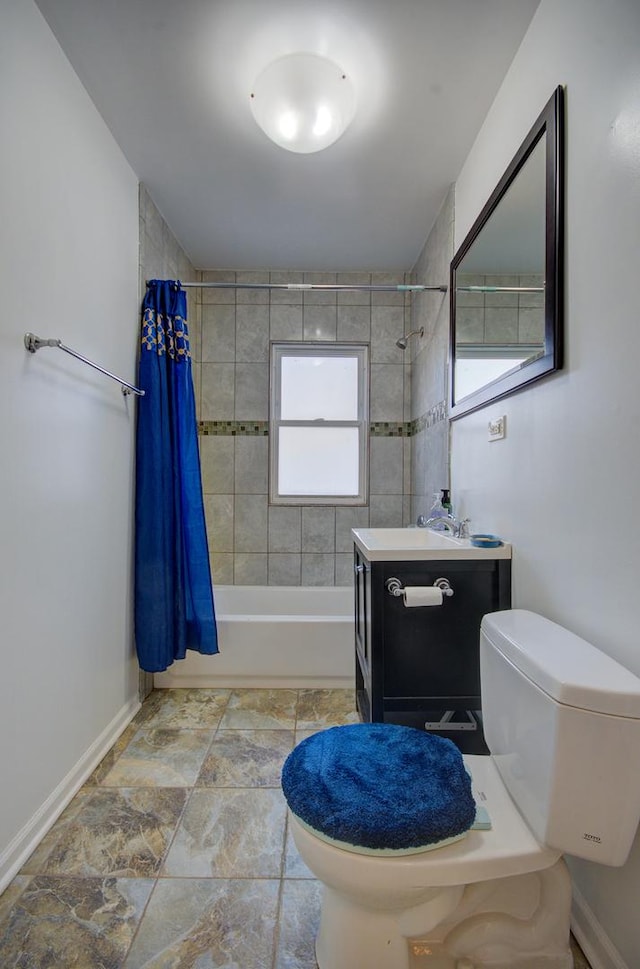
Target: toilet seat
{"points": [[507, 848], [379, 786], [377, 852]]}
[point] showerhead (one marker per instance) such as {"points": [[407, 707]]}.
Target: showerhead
{"points": [[403, 342]]}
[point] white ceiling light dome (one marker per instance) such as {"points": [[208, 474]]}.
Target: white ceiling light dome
{"points": [[303, 102]]}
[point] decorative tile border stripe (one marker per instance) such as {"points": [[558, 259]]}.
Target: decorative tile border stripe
{"points": [[261, 429], [389, 429], [376, 428], [233, 428], [433, 416]]}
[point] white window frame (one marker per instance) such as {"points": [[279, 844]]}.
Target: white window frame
{"points": [[360, 352]]}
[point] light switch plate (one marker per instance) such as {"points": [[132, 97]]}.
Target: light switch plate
{"points": [[497, 428]]}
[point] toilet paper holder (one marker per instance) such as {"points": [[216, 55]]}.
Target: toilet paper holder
{"points": [[395, 587]]}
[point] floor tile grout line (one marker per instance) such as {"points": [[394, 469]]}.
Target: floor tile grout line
{"points": [[171, 840], [98, 877], [278, 916], [169, 723], [91, 791], [140, 921]]}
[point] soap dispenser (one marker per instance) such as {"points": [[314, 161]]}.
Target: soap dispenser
{"points": [[446, 501], [437, 510]]}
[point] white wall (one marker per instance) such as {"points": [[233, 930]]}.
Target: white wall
{"points": [[564, 485], [68, 260]]}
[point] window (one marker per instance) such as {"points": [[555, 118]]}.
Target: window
{"points": [[319, 424], [478, 365]]}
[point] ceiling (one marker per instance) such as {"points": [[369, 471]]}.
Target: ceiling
{"points": [[172, 80]]}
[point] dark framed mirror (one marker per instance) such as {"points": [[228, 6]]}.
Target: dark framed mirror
{"points": [[506, 277]]}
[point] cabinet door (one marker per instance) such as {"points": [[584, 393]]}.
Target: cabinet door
{"points": [[433, 651], [362, 616], [363, 641]]}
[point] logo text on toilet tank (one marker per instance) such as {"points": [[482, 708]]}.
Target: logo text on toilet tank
{"points": [[592, 837]]}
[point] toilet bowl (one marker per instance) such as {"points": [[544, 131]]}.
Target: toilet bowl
{"points": [[562, 722]]}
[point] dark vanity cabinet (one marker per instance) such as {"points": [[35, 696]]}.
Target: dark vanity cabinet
{"points": [[419, 666]]}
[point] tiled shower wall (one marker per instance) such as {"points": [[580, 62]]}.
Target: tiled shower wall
{"points": [[161, 255], [250, 541], [429, 391]]}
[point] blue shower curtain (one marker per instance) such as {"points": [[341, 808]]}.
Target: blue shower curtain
{"points": [[174, 608]]}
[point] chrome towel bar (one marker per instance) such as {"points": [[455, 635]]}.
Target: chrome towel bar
{"points": [[33, 343]]}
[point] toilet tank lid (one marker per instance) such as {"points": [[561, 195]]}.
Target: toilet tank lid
{"points": [[568, 668]]}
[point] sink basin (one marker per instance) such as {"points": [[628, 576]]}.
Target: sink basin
{"points": [[419, 544], [408, 538]]}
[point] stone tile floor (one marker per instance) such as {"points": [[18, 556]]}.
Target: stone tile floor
{"points": [[175, 854]]}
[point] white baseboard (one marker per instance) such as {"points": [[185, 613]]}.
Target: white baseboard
{"points": [[592, 938], [28, 838], [240, 681]]}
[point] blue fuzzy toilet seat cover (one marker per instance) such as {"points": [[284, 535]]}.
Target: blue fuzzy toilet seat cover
{"points": [[380, 787]]}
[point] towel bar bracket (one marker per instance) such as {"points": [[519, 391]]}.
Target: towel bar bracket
{"points": [[444, 586], [33, 342]]}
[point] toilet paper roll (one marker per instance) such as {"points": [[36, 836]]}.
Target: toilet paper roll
{"points": [[422, 595]]}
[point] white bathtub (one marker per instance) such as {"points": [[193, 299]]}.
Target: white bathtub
{"points": [[274, 636]]}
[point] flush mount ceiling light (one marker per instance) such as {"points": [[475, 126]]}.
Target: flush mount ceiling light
{"points": [[303, 102]]}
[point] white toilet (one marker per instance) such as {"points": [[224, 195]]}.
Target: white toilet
{"points": [[562, 722]]}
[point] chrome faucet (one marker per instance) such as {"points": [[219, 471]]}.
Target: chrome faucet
{"points": [[459, 529]]}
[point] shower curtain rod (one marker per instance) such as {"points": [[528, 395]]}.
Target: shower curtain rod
{"points": [[361, 287], [499, 289], [33, 343]]}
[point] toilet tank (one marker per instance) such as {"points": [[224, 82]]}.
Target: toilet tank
{"points": [[562, 722]]}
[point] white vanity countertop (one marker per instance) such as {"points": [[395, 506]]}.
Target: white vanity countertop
{"points": [[420, 544]]}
